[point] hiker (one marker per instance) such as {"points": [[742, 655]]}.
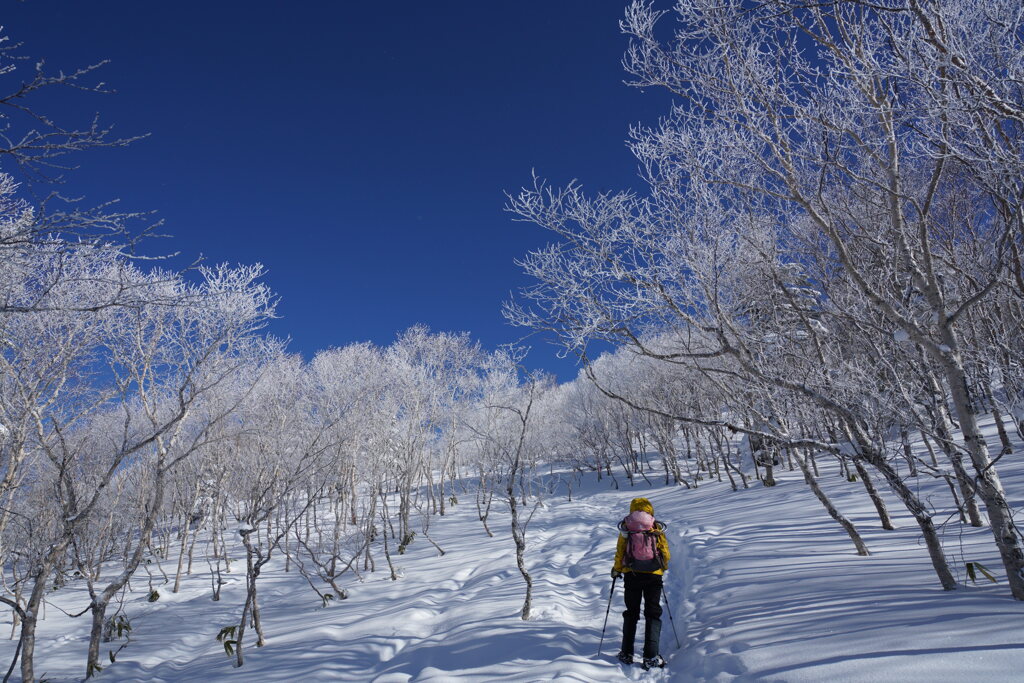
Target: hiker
{"points": [[641, 556]]}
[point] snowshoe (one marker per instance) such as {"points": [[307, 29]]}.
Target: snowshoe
{"points": [[655, 662], [624, 657]]}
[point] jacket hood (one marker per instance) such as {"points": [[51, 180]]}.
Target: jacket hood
{"points": [[641, 504]]}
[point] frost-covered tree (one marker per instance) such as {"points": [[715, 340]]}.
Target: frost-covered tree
{"points": [[504, 423], [278, 472]]}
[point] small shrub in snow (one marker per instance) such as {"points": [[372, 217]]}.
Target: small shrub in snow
{"points": [[227, 639], [974, 567]]}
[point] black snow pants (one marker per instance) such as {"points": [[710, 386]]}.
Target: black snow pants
{"points": [[646, 587]]}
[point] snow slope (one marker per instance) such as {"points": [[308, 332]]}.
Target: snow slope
{"points": [[763, 586]]}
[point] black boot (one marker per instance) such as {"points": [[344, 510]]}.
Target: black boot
{"points": [[652, 637], [655, 662]]}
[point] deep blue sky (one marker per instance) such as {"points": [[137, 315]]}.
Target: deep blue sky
{"points": [[360, 150]]}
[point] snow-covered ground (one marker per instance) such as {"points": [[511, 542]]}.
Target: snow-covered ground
{"points": [[763, 586]]}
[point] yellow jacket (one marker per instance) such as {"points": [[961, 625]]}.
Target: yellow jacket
{"points": [[620, 548]]}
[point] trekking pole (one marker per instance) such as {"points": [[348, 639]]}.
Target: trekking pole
{"points": [[670, 619], [609, 609]]}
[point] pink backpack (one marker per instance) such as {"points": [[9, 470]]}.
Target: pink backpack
{"points": [[641, 530]]}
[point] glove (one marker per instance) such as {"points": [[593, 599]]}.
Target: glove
{"points": [[616, 574]]}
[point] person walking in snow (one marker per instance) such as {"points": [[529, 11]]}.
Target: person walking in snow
{"points": [[641, 557]]}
